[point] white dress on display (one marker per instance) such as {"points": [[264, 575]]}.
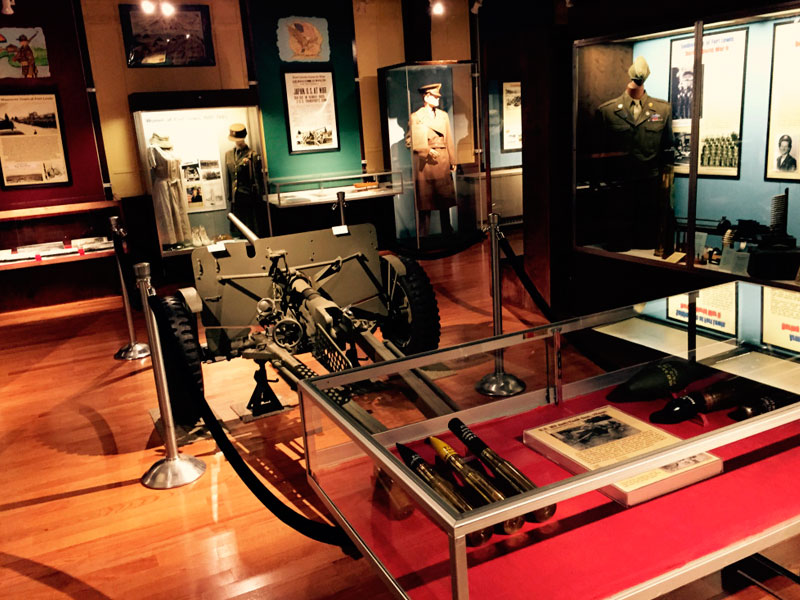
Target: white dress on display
{"points": [[172, 216]]}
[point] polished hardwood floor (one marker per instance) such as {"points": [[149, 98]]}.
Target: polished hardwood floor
{"points": [[76, 435]]}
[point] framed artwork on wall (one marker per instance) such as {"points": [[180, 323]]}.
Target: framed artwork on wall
{"points": [[181, 39], [311, 123], [783, 132], [511, 140], [724, 56], [32, 148]]}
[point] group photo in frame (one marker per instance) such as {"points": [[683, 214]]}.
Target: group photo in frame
{"points": [[511, 117], [311, 123], [182, 39], [32, 147], [724, 57], [783, 131]]}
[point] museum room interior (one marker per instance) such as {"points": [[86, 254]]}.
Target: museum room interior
{"points": [[290, 311]]}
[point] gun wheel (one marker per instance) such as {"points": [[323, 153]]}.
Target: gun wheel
{"points": [[413, 322], [182, 353]]}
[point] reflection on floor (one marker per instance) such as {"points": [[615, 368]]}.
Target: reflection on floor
{"points": [[75, 436]]}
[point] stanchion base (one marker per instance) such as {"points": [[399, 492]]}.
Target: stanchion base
{"points": [[169, 473], [500, 384], [133, 351]]}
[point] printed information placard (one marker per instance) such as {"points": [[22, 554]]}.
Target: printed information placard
{"points": [[716, 308]]}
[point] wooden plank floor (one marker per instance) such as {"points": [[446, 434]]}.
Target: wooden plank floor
{"points": [[76, 436]]}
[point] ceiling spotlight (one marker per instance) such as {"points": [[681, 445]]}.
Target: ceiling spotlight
{"points": [[148, 7], [437, 8], [476, 7], [167, 9]]}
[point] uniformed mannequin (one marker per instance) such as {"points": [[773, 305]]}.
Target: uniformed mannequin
{"points": [[433, 159], [246, 184], [635, 156]]}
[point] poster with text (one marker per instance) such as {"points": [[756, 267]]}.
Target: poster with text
{"points": [[724, 57], [783, 134], [31, 144], [781, 318], [303, 39], [512, 116], [23, 53], [715, 308], [311, 110]]}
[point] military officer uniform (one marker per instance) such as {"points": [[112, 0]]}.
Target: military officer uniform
{"points": [[246, 184], [634, 148], [431, 141]]}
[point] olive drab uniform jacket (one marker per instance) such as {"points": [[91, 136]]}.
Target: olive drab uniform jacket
{"points": [[634, 148], [434, 183], [246, 187]]}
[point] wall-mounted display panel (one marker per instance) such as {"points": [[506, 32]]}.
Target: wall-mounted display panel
{"points": [[783, 134], [310, 112], [512, 116]]}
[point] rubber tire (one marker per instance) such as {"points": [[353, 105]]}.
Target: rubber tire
{"points": [[177, 331], [420, 329]]}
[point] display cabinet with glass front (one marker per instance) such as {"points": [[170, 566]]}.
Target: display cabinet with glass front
{"points": [[586, 484], [690, 158], [199, 164], [428, 129]]}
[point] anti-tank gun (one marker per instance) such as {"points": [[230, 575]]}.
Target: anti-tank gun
{"points": [[276, 299]]}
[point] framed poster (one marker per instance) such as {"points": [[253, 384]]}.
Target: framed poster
{"points": [[780, 318], [511, 141], [715, 308], [783, 132], [724, 56], [32, 141], [23, 53], [310, 112], [181, 39], [303, 39]]}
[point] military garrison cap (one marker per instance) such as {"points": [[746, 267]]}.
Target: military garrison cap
{"points": [[435, 89], [237, 132]]}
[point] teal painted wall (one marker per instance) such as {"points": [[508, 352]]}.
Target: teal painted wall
{"points": [[270, 69]]}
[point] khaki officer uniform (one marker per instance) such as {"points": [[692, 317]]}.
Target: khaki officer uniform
{"points": [[431, 131], [635, 146]]}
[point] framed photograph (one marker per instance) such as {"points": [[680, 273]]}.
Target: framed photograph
{"points": [[783, 132], [724, 56], [32, 147], [511, 140], [182, 39], [23, 53], [311, 112], [303, 39]]}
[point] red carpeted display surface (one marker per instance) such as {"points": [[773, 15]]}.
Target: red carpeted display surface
{"points": [[593, 547]]}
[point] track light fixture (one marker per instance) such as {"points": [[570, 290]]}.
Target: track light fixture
{"points": [[149, 7]]}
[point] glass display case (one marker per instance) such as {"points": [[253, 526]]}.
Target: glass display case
{"points": [[429, 135], [639, 479], [689, 158], [200, 164]]}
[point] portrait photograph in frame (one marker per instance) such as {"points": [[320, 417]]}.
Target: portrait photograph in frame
{"points": [[182, 39], [311, 123], [783, 131], [511, 140], [724, 59], [32, 146]]}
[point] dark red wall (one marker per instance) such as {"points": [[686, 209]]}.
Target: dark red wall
{"points": [[57, 20]]}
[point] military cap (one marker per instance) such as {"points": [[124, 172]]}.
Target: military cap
{"points": [[639, 70], [785, 138], [435, 89], [22, 38], [237, 132]]}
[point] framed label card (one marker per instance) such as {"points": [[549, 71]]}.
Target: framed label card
{"points": [[311, 112], [512, 117], [724, 56], [31, 141], [783, 133]]}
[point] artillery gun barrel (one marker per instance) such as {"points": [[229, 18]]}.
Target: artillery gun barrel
{"points": [[246, 231]]}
